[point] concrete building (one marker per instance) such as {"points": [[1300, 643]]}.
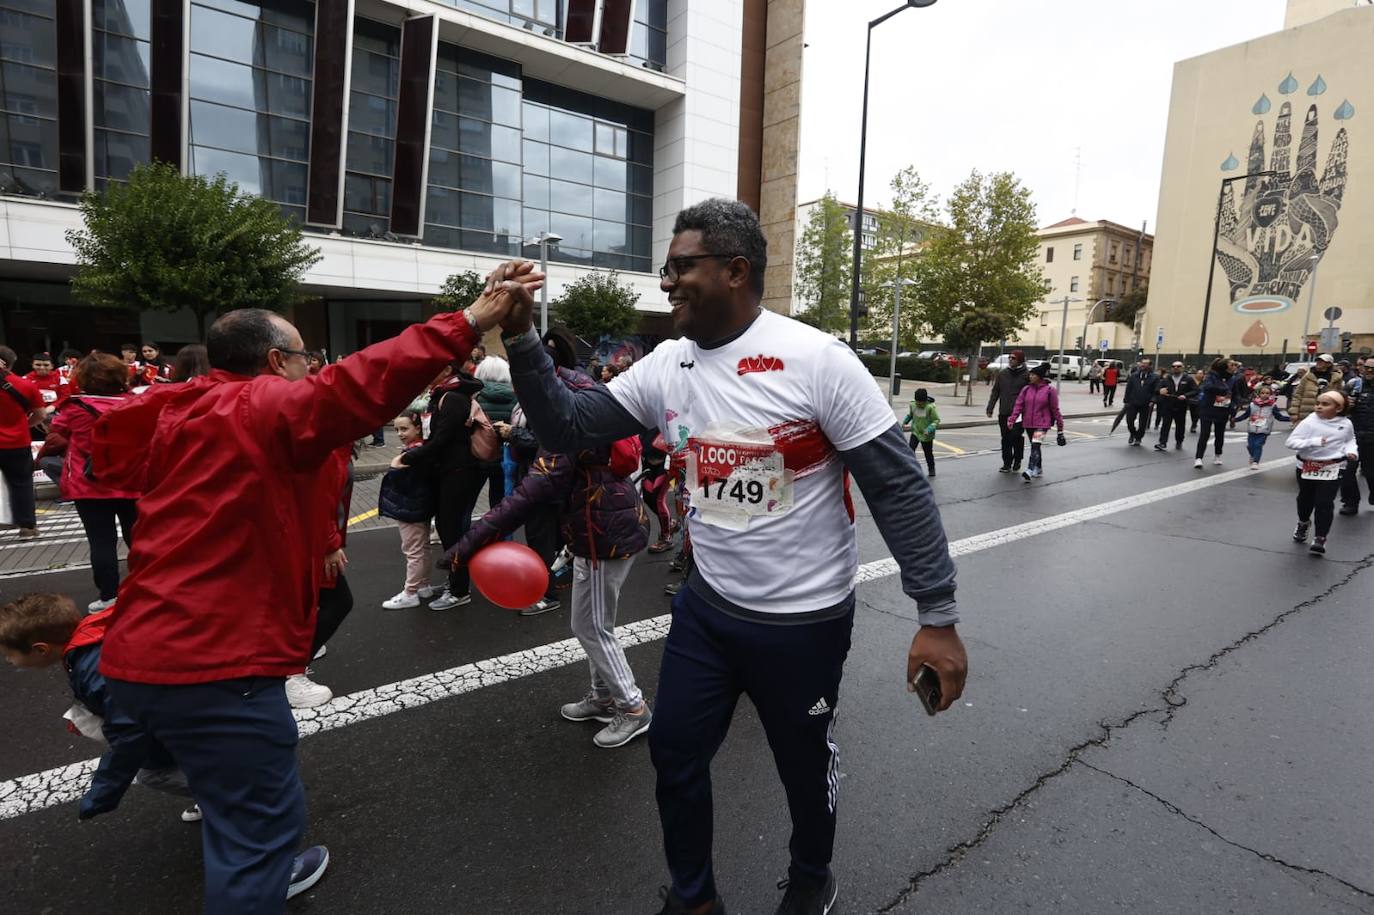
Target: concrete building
{"points": [[413, 139], [1289, 103], [869, 241], [1092, 263]]}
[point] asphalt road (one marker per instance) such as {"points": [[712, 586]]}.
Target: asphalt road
{"points": [[1169, 710]]}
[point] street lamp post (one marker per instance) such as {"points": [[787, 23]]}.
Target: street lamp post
{"points": [[1311, 293], [1212, 262], [897, 284], [543, 240], [1063, 326], [863, 147]]}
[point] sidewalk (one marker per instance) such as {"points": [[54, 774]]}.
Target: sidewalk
{"points": [[1074, 401]]}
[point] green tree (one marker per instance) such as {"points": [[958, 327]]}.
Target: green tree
{"points": [[983, 258], [902, 228], [596, 304], [967, 332], [1129, 305], [459, 291], [823, 266], [165, 241]]}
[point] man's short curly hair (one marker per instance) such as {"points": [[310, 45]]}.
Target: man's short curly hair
{"points": [[728, 227]]}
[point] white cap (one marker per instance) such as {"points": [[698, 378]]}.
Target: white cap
{"points": [[1325, 357]]}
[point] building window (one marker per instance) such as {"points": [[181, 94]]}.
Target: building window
{"points": [[474, 196], [28, 98], [1073, 284], [868, 242], [1049, 255], [649, 34], [250, 92], [1078, 252], [540, 16], [588, 177], [376, 73], [1111, 259], [1044, 318]]}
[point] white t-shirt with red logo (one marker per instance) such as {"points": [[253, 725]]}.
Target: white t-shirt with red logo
{"points": [[767, 539]]}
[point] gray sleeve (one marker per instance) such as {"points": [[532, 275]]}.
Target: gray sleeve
{"points": [[563, 420], [903, 505]]}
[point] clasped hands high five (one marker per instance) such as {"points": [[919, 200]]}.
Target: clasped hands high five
{"points": [[508, 299]]}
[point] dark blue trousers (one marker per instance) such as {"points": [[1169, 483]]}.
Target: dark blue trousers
{"points": [[236, 742], [792, 675]]}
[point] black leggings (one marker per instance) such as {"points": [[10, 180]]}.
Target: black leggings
{"points": [[335, 604], [928, 448], [1318, 496], [458, 492], [98, 518], [1217, 426]]}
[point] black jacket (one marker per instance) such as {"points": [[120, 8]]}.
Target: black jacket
{"points": [[1141, 389], [1362, 412], [449, 446], [1184, 386], [1006, 386]]}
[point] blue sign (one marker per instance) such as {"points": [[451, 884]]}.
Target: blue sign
{"points": [[1103, 345]]}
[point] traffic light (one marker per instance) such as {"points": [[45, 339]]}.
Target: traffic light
{"points": [[1347, 341], [1107, 310], [1078, 343]]}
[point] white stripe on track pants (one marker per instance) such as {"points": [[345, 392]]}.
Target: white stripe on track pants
{"points": [[595, 597]]}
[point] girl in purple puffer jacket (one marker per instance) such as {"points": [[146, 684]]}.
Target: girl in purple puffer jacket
{"points": [[1037, 408]]}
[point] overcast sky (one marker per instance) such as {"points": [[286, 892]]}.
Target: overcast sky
{"points": [[1019, 85]]}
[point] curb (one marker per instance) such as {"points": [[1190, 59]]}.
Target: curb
{"points": [[973, 423]]}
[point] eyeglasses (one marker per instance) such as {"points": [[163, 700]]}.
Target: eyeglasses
{"points": [[673, 267], [304, 354]]}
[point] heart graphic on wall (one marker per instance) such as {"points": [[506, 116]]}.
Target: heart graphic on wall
{"points": [[1257, 335]]}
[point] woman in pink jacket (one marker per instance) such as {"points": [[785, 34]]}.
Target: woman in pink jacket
{"points": [[1037, 408], [104, 384]]}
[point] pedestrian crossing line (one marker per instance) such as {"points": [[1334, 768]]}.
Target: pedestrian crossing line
{"points": [[64, 784]]}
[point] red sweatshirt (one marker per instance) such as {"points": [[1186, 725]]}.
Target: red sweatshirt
{"points": [[225, 570]]}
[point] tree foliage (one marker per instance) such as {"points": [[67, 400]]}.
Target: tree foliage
{"points": [[903, 228], [984, 257], [1129, 305], [823, 266], [597, 304], [165, 241], [459, 291]]}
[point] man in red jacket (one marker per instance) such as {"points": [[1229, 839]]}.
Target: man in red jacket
{"points": [[219, 604]]}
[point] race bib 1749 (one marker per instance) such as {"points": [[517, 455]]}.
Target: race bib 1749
{"points": [[734, 480]]}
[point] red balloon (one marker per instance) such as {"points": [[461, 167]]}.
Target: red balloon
{"points": [[509, 574]]}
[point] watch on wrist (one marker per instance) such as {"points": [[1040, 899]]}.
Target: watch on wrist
{"points": [[471, 318]]}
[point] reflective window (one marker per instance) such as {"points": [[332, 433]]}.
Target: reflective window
{"points": [[250, 88], [28, 98], [541, 16], [376, 76], [649, 34], [473, 200]]}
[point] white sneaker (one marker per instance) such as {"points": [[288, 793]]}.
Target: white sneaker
{"points": [[191, 814], [96, 606], [302, 692], [447, 601], [1217, 462], [1254, 466], [324, 650], [402, 601], [1197, 463], [426, 592]]}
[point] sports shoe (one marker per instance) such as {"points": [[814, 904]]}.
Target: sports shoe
{"points": [[590, 708], [307, 869], [96, 606], [1178, 446], [804, 897], [426, 592], [1016, 467], [672, 905], [1300, 532], [1318, 545], [931, 473], [662, 545], [623, 728], [1197, 463], [28, 533], [1005, 468], [447, 601], [1350, 509], [1161, 447], [679, 563], [402, 601], [191, 814], [1254, 465], [302, 692], [324, 650], [1216, 462], [1026, 476], [545, 605], [673, 587]]}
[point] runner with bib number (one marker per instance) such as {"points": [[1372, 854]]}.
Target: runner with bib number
{"points": [[1325, 443]]}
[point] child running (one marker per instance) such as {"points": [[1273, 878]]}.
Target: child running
{"points": [[1325, 442], [1261, 411], [921, 420], [1037, 408], [407, 498]]}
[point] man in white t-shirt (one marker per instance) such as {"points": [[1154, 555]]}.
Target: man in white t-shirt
{"points": [[774, 417]]}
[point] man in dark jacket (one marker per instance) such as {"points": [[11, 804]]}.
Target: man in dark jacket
{"points": [[1175, 390], [1141, 389], [606, 526], [1360, 392], [1007, 385]]}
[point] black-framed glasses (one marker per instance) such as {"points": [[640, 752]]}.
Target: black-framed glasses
{"points": [[673, 267], [304, 354]]}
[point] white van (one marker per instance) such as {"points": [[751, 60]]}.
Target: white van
{"points": [[1073, 367]]}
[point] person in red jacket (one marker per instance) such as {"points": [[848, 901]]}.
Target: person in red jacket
{"points": [[219, 604], [21, 407], [51, 387]]}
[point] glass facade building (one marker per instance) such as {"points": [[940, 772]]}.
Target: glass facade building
{"points": [[371, 127], [28, 98], [120, 44]]}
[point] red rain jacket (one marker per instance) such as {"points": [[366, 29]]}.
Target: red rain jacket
{"points": [[224, 574]]}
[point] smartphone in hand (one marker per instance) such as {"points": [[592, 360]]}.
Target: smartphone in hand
{"points": [[927, 684]]}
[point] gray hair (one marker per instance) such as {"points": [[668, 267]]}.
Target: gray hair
{"points": [[728, 227], [239, 341], [493, 368]]}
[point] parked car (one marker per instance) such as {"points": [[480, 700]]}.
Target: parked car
{"points": [[934, 355], [1104, 363], [1001, 362], [1073, 367]]}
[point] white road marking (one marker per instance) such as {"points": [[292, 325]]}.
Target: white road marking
{"points": [[63, 784]]}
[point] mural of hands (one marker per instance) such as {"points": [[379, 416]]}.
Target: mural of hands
{"points": [[1275, 235]]}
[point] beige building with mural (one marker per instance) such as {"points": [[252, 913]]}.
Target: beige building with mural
{"points": [[1090, 263], [1289, 105]]}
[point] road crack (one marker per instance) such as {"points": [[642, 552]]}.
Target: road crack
{"points": [[1173, 701], [1262, 855]]}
